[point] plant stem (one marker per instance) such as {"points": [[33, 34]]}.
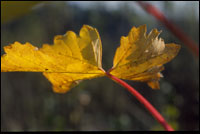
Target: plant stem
{"points": [[142, 100]]}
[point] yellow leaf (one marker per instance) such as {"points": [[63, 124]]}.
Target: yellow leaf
{"points": [[73, 58], [70, 59], [141, 57]]}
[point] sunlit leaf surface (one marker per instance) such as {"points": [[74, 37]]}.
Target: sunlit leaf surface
{"points": [[70, 59], [141, 56], [74, 58]]}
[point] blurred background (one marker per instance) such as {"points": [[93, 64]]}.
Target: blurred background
{"points": [[28, 102]]}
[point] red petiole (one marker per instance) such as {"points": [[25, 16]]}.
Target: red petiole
{"points": [[142, 100]]}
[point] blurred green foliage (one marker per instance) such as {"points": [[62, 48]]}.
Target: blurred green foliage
{"points": [[27, 99]]}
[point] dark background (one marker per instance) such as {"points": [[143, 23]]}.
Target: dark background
{"points": [[27, 99]]}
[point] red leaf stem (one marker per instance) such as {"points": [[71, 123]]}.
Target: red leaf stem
{"points": [[172, 27], [142, 100]]}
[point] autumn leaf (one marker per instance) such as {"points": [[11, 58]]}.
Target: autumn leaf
{"points": [[73, 58], [70, 59], [140, 57]]}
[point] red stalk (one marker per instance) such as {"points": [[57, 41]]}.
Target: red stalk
{"points": [[172, 27], [142, 100]]}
